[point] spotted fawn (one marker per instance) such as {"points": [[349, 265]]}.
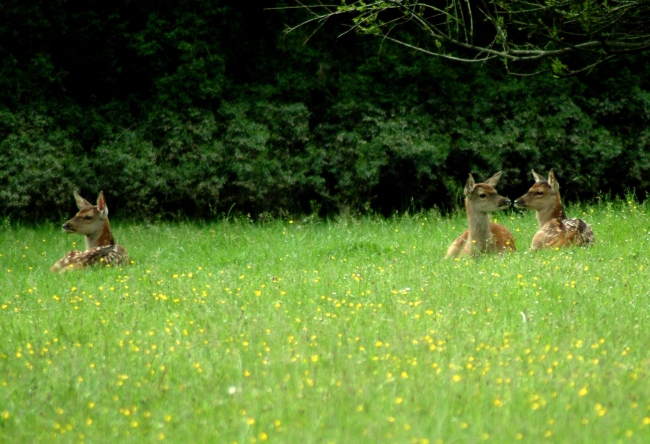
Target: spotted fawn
{"points": [[101, 249], [555, 229]]}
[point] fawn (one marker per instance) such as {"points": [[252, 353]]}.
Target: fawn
{"points": [[483, 236], [555, 230], [101, 249]]}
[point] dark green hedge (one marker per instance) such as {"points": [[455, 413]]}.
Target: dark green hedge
{"points": [[198, 108]]}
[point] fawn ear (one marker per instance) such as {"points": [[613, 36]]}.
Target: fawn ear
{"points": [[81, 202], [101, 205], [552, 181], [492, 181], [469, 185], [537, 177]]}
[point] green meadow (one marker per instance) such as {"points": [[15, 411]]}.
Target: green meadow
{"points": [[351, 330]]}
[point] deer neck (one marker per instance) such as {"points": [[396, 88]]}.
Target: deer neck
{"points": [[555, 211], [479, 229], [101, 238]]}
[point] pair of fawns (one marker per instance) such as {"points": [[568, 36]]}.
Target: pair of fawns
{"points": [[484, 236]]}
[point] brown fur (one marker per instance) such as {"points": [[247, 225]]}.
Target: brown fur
{"points": [[101, 249], [483, 236], [111, 255], [555, 229]]}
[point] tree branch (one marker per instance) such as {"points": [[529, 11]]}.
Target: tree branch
{"points": [[556, 34]]}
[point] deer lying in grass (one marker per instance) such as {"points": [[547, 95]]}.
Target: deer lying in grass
{"points": [[101, 249], [555, 230], [483, 236]]}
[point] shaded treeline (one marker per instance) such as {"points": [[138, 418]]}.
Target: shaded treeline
{"points": [[198, 107]]}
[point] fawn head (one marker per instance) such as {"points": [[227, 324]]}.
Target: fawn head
{"points": [[482, 197], [90, 219], [542, 195]]}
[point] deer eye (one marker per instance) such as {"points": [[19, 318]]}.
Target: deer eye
{"points": [[482, 195], [539, 193], [88, 217]]}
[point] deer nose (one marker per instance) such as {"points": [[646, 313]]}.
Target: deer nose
{"points": [[66, 226], [504, 203]]}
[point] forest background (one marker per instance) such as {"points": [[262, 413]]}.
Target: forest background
{"points": [[195, 108]]}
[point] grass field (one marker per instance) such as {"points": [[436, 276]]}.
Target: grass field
{"points": [[348, 331]]}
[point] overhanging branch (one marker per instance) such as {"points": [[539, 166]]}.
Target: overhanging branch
{"points": [[567, 36]]}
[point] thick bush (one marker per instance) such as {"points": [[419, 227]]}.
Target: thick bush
{"points": [[199, 108]]}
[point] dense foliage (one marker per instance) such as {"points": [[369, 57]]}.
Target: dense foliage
{"points": [[202, 107]]}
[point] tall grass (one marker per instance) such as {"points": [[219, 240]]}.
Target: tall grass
{"points": [[353, 330]]}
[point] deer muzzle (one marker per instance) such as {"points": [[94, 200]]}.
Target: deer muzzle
{"points": [[520, 203], [505, 203]]}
